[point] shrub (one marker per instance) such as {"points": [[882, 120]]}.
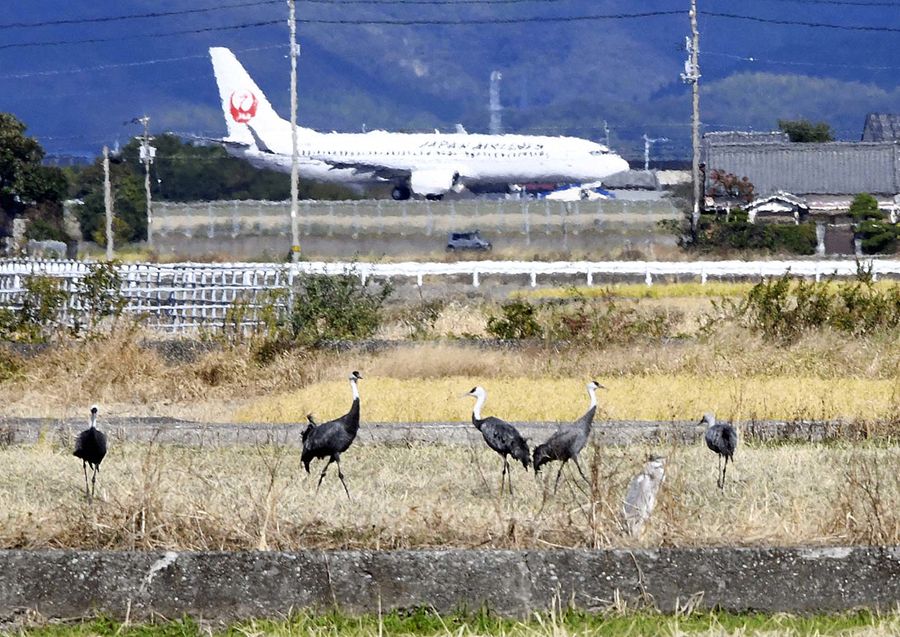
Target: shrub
{"points": [[735, 232], [336, 307], [421, 318], [783, 308], [99, 295], [40, 316], [605, 320], [517, 321]]}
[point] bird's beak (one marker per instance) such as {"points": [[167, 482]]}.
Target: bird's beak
{"points": [[466, 395]]}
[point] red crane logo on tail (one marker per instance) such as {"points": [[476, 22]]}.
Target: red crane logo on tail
{"points": [[243, 106]]}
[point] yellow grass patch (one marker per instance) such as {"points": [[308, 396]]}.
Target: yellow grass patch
{"points": [[648, 397], [681, 289]]}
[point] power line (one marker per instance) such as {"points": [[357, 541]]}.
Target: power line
{"points": [[247, 25], [422, 22], [754, 58], [104, 67], [801, 23], [135, 16], [515, 20], [844, 3]]}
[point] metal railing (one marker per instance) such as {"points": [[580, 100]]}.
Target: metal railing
{"points": [[186, 296]]}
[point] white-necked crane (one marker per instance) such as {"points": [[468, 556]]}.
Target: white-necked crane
{"points": [[722, 439], [500, 436], [330, 439], [90, 446], [568, 440]]}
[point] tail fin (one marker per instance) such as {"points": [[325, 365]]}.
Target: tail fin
{"points": [[244, 103]]}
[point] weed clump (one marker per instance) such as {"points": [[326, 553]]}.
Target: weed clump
{"points": [[517, 320], [784, 308]]}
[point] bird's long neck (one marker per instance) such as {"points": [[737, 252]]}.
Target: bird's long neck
{"points": [[587, 420], [351, 422], [93, 421], [476, 411]]}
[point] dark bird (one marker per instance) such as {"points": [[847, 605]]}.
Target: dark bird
{"points": [[500, 436], [330, 439], [90, 446], [722, 439], [568, 440]]}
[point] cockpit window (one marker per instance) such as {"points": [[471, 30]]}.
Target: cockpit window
{"points": [[599, 152]]}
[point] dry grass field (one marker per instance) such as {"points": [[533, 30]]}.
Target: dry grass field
{"points": [[733, 373], [154, 497]]}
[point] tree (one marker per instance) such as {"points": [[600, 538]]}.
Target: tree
{"points": [[28, 188], [725, 184], [180, 172], [802, 130], [878, 235], [129, 202]]}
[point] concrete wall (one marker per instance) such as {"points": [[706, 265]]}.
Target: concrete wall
{"points": [[605, 432], [70, 584]]}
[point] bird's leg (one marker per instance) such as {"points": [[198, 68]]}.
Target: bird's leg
{"points": [[508, 475], [558, 476], [503, 476], [94, 480], [580, 470], [719, 475], [341, 476], [724, 468], [87, 493], [322, 477]]}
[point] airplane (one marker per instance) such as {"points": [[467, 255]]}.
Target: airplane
{"points": [[427, 165]]}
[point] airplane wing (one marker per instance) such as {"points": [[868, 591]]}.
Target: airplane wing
{"points": [[423, 181], [219, 141], [378, 170]]}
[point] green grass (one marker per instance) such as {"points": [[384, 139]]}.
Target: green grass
{"points": [[426, 623]]}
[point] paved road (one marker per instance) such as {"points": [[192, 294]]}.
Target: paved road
{"points": [[172, 431]]}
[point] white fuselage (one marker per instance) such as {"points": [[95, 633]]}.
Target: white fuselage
{"points": [[428, 164], [472, 157]]}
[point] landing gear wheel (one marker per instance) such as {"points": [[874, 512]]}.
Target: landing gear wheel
{"points": [[400, 193]]}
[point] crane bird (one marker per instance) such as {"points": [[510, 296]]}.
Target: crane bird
{"points": [[330, 439], [568, 440], [640, 499], [722, 439], [90, 446], [500, 436]]}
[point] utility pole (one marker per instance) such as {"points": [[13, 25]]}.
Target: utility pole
{"points": [[647, 142], [107, 203], [148, 154], [691, 76], [496, 110], [295, 176]]}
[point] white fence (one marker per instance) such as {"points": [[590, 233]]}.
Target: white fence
{"points": [[186, 296]]}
